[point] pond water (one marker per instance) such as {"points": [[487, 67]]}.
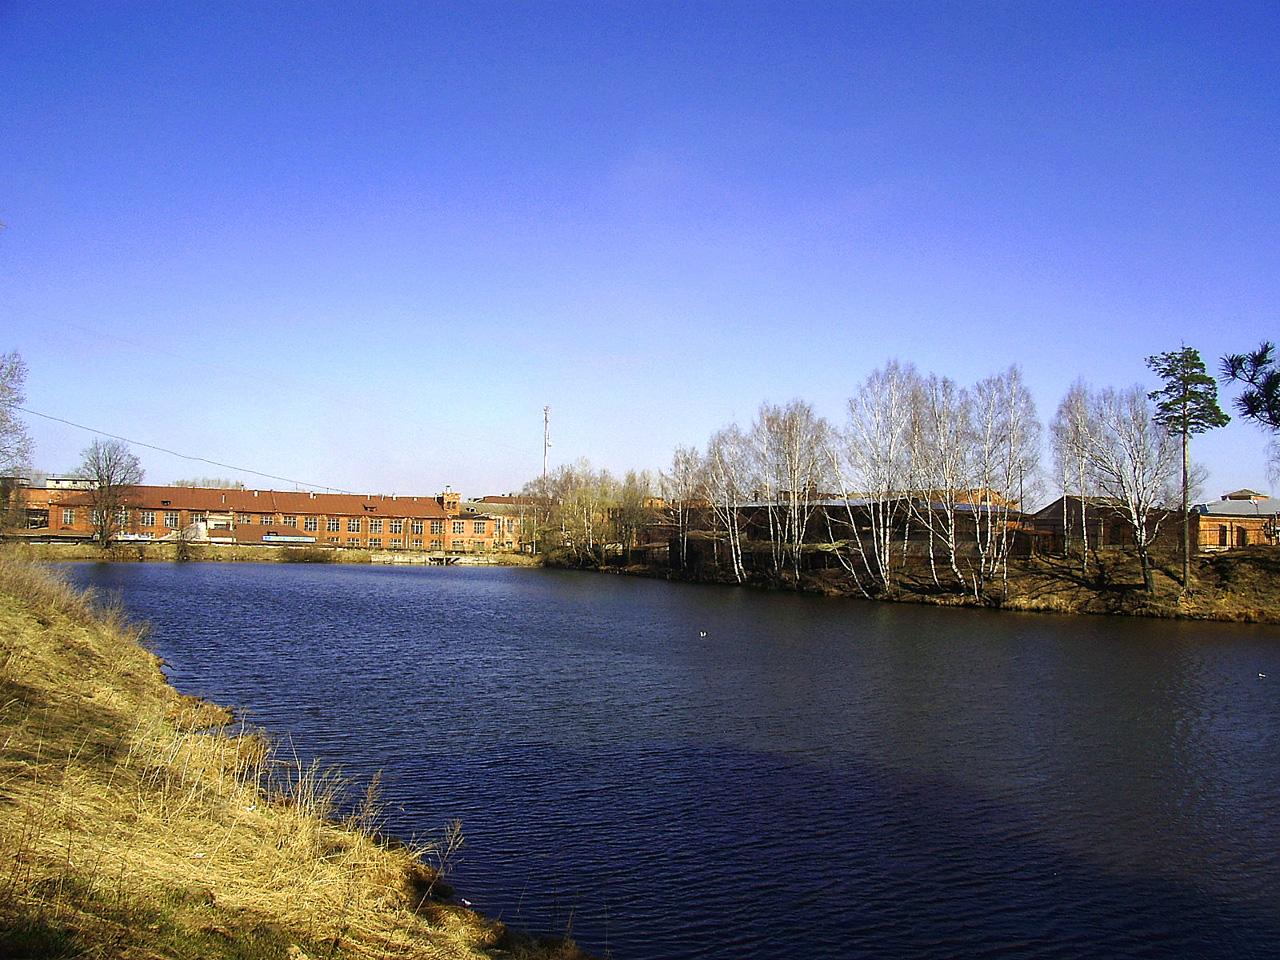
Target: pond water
{"points": [[673, 771]]}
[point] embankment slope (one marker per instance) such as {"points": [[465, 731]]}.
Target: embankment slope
{"points": [[134, 822]]}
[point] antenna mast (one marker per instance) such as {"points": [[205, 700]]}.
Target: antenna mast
{"points": [[546, 443]]}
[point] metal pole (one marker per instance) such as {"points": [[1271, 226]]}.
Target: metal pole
{"points": [[546, 442]]}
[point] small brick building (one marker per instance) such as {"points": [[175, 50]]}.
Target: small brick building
{"points": [[1242, 518]]}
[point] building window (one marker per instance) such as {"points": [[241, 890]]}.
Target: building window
{"points": [[244, 518], [417, 543], [148, 518], [416, 526], [459, 526], [267, 519], [68, 517], [375, 543], [437, 526], [437, 545], [311, 523], [375, 526], [396, 543], [171, 519], [353, 526], [1222, 535], [1242, 537], [335, 540], [353, 541], [477, 526], [333, 525], [290, 521], [397, 526]]}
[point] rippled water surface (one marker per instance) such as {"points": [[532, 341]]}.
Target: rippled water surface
{"points": [[813, 778]]}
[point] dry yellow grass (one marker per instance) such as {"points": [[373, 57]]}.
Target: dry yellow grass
{"points": [[135, 823]]}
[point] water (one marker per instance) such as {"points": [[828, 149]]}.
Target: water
{"points": [[813, 778]]}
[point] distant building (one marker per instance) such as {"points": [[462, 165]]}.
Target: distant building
{"points": [[219, 515], [1101, 523], [69, 483], [518, 510], [1242, 518]]}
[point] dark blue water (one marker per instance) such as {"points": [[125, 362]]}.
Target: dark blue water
{"points": [[813, 778]]}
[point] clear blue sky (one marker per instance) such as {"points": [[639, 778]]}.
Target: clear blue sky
{"points": [[363, 244]]}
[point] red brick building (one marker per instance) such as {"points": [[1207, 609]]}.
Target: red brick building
{"points": [[214, 515], [1242, 518]]}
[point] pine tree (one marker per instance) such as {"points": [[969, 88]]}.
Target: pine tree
{"points": [[1187, 404], [1261, 402]]}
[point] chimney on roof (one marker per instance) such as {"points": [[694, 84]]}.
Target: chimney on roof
{"points": [[313, 494], [255, 493]]}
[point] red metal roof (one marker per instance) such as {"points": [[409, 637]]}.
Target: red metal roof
{"points": [[214, 500]]}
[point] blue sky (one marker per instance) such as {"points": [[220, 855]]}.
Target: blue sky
{"points": [[362, 245]]}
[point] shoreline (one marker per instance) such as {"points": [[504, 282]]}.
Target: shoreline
{"points": [[1238, 587], [1244, 588], [168, 552], [140, 819]]}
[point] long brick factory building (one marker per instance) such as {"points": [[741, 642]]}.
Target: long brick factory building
{"points": [[62, 508]]}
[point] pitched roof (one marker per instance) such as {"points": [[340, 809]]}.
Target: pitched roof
{"points": [[217, 500], [1054, 507], [1267, 507]]}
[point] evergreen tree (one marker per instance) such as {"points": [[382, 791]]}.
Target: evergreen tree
{"points": [[1261, 401], [1187, 404]]}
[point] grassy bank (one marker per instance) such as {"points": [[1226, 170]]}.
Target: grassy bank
{"points": [[168, 551], [1242, 585], [136, 822]]}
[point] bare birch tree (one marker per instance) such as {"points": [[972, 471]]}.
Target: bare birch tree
{"points": [[871, 460], [114, 470], [942, 432], [1004, 453], [680, 489], [1069, 434], [15, 443], [1132, 459], [789, 445], [724, 475]]}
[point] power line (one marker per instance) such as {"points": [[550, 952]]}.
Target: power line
{"points": [[183, 456]]}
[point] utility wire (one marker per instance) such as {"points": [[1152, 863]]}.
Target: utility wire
{"points": [[183, 456]]}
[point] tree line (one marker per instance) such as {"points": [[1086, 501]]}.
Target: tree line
{"points": [[918, 458], [915, 452]]}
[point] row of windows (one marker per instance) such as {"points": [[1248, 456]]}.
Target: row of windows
{"points": [[377, 525], [147, 518], [397, 543]]}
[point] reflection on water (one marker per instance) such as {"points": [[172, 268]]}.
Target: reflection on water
{"points": [[812, 778]]}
